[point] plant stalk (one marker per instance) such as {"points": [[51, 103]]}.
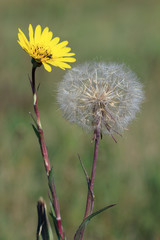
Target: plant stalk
{"points": [[90, 196], [45, 153]]}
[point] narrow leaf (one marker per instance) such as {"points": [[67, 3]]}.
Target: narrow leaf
{"points": [[84, 170], [55, 225], [36, 132], [87, 178], [77, 235], [52, 214], [51, 177]]}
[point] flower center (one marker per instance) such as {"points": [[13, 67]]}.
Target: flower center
{"points": [[40, 53]]}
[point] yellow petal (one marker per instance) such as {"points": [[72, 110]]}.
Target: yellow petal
{"points": [[60, 64], [62, 44], [23, 41], [66, 49], [37, 36], [69, 59], [21, 44], [22, 37], [24, 48], [47, 67], [69, 54], [54, 41], [44, 33], [49, 36], [64, 65], [66, 59], [46, 36], [62, 54], [30, 29]]}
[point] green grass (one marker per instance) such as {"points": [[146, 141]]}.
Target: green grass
{"points": [[127, 172]]}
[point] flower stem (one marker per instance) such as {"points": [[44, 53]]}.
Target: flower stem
{"points": [[90, 196], [45, 153]]}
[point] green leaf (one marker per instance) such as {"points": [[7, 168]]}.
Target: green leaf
{"points": [[87, 178], [36, 132], [55, 225], [54, 220], [51, 177], [85, 222], [43, 228]]}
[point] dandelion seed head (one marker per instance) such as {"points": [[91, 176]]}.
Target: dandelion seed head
{"points": [[106, 96]]}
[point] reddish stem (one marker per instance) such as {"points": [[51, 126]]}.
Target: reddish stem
{"points": [[90, 196], [45, 154]]}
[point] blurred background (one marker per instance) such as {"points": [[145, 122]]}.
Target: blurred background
{"points": [[128, 173]]}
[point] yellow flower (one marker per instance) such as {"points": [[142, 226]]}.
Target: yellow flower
{"points": [[45, 50]]}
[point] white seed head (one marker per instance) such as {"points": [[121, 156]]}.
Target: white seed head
{"points": [[101, 95]]}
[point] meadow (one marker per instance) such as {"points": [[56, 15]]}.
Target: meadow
{"points": [[128, 173]]}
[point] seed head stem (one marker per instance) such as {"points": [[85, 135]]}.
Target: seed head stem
{"points": [[45, 153], [90, 196]]}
